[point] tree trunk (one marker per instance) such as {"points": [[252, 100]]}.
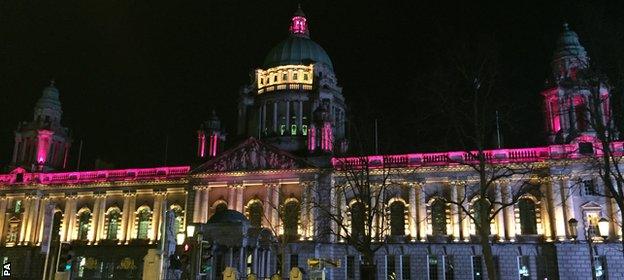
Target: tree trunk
{"points": [[488, 257], [368, 269]]}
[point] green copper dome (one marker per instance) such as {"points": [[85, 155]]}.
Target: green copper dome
{"points": [[298, 48]]}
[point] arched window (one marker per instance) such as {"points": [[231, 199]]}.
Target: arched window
{"points": [[113, 218], [438, 217], [397, 218], [255, 213], [179, 217], [84, 223], [357, 211], [56, 224], [144, 220], [291, 212], [13, 231], [528, 216]]}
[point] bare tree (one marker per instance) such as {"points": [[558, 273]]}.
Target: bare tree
{"points": [[356, 209]]}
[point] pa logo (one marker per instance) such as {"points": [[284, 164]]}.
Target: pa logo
{"points": [[6, 270]]}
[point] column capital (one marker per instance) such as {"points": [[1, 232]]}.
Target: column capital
{"points": [[129, 194], [71, 196], [160, 192]]}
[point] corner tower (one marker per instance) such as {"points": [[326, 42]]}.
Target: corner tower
{"points": [[568, 93], [297, 77], [43, 143]]}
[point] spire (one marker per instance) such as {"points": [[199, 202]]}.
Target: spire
{"points": [[299, 25]]}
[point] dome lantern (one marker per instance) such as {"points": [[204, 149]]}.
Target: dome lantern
{"points": [[299, 25]]}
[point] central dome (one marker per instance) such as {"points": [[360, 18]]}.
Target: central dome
{"points": [[298, 48]]}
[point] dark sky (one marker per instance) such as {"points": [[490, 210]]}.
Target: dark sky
{"points": [[133, 72]]}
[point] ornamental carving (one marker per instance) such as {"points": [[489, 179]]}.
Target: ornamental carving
{"points": [[252, 155]]}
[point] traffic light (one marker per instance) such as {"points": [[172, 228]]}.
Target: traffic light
{"points": [[65, 258], [205, 265]]}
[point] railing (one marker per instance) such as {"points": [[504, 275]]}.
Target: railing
{"points": [[569, 151], [138, 174]]}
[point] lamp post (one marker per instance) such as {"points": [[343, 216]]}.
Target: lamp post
{"points": [[590, 234]]}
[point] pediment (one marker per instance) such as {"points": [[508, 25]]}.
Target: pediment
{"points": [[591, 205], [251, 155]]}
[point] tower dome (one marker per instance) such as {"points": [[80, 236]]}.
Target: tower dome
{"points": [[569, 45], [298, 48]]}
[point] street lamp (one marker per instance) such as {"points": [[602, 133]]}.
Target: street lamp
{"points": [[590, 234], [603, 228], [180, 238], [190, 230]]}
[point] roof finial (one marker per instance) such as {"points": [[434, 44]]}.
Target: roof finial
{"points": [[52, 82], [566, 27]]}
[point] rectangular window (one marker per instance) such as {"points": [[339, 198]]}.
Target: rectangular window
{"points": [[524, 270], [305, 77], [294, 76], [390, 271], [477, 268], [406, 268], [285, 77], [294, 260], [449, 269], [590, 187], [600, 264], [433, 267], [350, 267]]}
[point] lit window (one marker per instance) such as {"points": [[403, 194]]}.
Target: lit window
{"points": [[397, 218], [255, 213], [293, 129], [282, 129], [144, 222], [285, 77], [433, 267], [305, 77], [523, 267], [438, 217], [18, 206], [477, 268], [291, 212], [295, 76], [114, 218], [304, 130], [528, 216], [84, 223]]}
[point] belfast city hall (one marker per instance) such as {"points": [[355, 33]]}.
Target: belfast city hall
{"points": [[287, 199]]}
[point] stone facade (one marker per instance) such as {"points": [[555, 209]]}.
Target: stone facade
{"points": [[292, 119]]}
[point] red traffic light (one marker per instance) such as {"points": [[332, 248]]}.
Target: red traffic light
{"points": [[187, 247]]}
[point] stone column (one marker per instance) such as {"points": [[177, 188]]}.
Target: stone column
{"points": [[3, 206], [303, 214], [545, 211], [239, 198], [300, 114], [40, 222], [101, 234], [413, 215], [124, 217], [455, 212], [568, 202], [205, 205], [72, 232], [95, 218], [26, 205], [500, 217], [130, 217], [197, 205], [266, 203], [159, 197], [31, 229], [287, 116], [510, 215], [276, 206], [275, 114], [465, 219], [67, 214], [231, 197], [558, 206], [422, 212]]}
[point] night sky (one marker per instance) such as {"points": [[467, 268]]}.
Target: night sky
{"points": [[132, 73]]}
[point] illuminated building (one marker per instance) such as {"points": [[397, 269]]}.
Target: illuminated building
{"points": [[292, 116]]}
